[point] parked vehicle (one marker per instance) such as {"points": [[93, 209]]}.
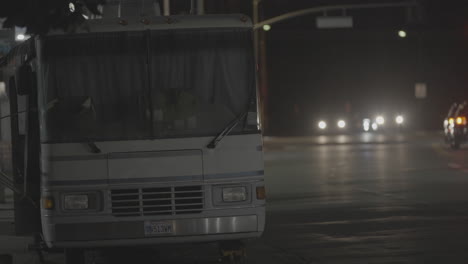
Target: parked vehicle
{"points": [[135, 133], [455, 125]]}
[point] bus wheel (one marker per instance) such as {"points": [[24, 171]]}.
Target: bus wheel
{"points": [[6, 259], [75, 256]]}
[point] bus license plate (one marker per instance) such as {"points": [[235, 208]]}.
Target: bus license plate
{"points": [[157, 228]]}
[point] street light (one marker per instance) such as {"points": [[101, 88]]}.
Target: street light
{"points": [[20, 34], [266, 27], [402, 34], [20, 37], [71, 7]]}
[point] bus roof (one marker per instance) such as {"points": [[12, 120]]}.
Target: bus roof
{"points": [[27, 49], [163, 23]]}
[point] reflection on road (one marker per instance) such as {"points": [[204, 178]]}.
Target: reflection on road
{"points": [[368, 198]]}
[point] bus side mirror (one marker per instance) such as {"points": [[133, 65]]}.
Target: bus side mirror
{"points": [[24, 79]]}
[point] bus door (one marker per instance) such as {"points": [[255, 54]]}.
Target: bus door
{"points": [[25, 150]]}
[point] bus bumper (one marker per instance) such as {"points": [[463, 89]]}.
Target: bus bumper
{"points": [[131, 233]]}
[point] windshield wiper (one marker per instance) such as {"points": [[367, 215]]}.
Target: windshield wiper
{"points": [[213, 143]]}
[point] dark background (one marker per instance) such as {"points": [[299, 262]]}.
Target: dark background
{"points": [[365, 70]]}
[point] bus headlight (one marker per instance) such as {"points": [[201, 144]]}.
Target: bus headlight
{"points": [[76, 202], [234, 194]]}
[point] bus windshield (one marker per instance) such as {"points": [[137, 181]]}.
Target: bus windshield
{"points": [[139, 85]]}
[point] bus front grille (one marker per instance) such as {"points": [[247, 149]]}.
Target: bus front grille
{"points": [[157, 201]]}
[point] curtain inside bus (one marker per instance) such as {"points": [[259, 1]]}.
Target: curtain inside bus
{"points": [[200, 80], [94, 87], [139, 85]]}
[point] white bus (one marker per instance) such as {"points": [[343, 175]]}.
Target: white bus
{"points": [[137, 131]]}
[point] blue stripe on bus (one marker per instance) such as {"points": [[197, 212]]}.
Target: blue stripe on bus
{"points": [[156, 179]]}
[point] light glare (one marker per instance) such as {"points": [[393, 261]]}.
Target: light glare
{"points": [[375, 126], [402, 34], [322, 125], [341, 123], [266, 27], [366, 124], [380, 120], [399, 120], [461, 120], [71, 6]]}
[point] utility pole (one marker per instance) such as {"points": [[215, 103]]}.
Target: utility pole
{"points": [[261, 60]]}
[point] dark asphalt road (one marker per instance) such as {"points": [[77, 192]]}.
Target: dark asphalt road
{"points": [[355, 199], [403, 202]]}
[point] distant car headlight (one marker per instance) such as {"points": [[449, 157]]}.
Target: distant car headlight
{"points": [[322, 124], [366, 124], [399, 120], [234, 194], [341, 124], [461, 120], [380, 120]]}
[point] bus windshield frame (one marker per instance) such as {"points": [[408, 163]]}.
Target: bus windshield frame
{"points": [[145, 85]]}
